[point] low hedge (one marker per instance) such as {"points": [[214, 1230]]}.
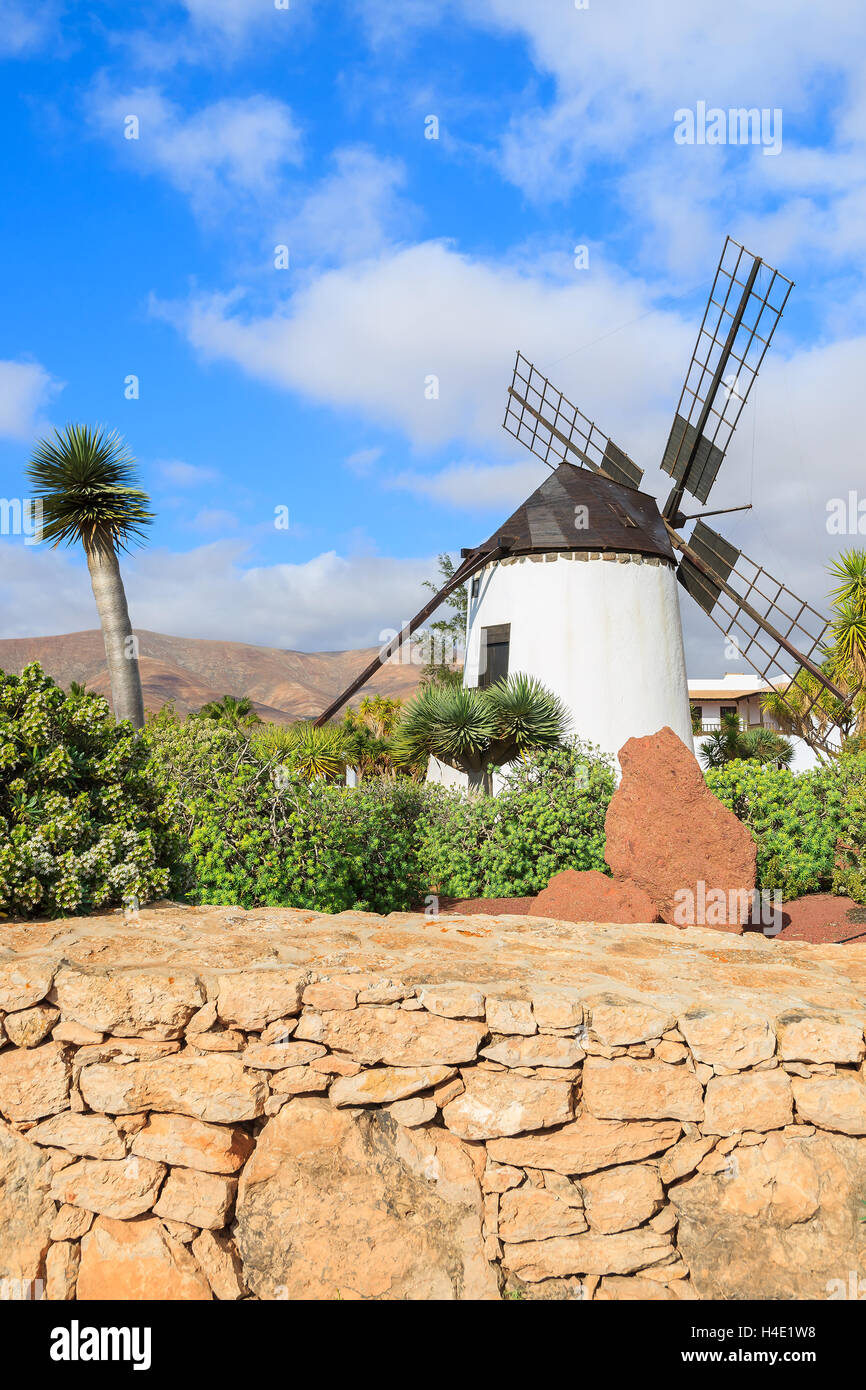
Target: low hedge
{"points": [[256, 834], [849, 873], [93, 813], [548, 816], [796, 819]]}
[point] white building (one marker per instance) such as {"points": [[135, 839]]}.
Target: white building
{"points": [[710, 699]]}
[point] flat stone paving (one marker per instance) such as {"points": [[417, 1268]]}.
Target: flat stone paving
{"points": [[515, 954]]}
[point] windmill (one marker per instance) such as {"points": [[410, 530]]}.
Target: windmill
{"points": [[606, 634]]}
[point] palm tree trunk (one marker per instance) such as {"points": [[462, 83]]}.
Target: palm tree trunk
{"points": [[120, 645]]}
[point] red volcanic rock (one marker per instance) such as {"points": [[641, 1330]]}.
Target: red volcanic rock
{"points": [[668, 834], [591, 896]]}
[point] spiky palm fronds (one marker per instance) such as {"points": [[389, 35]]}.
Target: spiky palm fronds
{"points": [[311, 752], [370, 727], [527, 715], [766, 746], [235, 711], [476, 730], [453, 723], [807, 710], [85, 480], [317, 753], [730, 743], [850, 568], [848, 629], [722, 745], [849, 641]]}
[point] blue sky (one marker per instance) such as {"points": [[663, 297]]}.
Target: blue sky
{"points": [[304, 387]]}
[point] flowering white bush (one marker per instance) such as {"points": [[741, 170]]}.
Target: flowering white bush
{"points": [[82, 822]]}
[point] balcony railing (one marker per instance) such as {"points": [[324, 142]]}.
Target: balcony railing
{"points": [[712, 726]]}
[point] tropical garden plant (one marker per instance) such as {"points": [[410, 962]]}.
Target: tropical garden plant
{"points": [[731, 743], [370, 729], [306, 750], [848, 629], [477, 730], [234, 711], [257, 832], [84, 479], [807, 708], [548, 815], [794, 817], [849, 870]]}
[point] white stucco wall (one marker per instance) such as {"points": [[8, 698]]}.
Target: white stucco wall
{"points": [[603, 634], [447, 776]]}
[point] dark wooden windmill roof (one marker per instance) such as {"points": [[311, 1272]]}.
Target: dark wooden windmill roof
{"points": [[616, 518]]}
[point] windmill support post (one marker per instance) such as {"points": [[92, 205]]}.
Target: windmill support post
{"points": [[475, 561]]}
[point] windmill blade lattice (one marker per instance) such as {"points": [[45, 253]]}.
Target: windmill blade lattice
{"points": [[772, 627], [546, 422], [743, 310]]}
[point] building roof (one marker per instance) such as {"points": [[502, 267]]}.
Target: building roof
{"points": [[733, 686], [615, 518], [717, 692]]}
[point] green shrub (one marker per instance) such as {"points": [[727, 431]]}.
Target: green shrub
{"points": [[548, 816], [82, 823], [849, 875], [795, 818], [257, 834]]}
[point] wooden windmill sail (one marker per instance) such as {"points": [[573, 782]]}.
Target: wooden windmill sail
{"points": [[774, 629]]}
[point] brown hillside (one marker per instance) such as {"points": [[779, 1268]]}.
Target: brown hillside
{"points": [[283, 685]]}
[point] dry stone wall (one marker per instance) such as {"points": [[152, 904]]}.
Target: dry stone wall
{"points": [[199, 1104]]}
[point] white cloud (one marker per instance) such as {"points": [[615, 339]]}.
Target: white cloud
{"points": [[428, 309], [213, 31], [387, 22], [234, 18], [618, 73], [25, 391], [665, 54], [351, 213], [370, 338], [214, 519], [185, 474], [246, 153], [233, 151], [362, 461], [25, 26], [328, 603], [476, 486]]}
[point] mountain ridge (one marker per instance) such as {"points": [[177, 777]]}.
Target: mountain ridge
{"points": [[284, 685]]}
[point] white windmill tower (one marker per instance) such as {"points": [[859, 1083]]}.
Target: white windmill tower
{"points": [[578, 588], [585, 599]]}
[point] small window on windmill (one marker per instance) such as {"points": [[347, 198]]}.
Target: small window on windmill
{"points": [[493, 665], [476, 586]]}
